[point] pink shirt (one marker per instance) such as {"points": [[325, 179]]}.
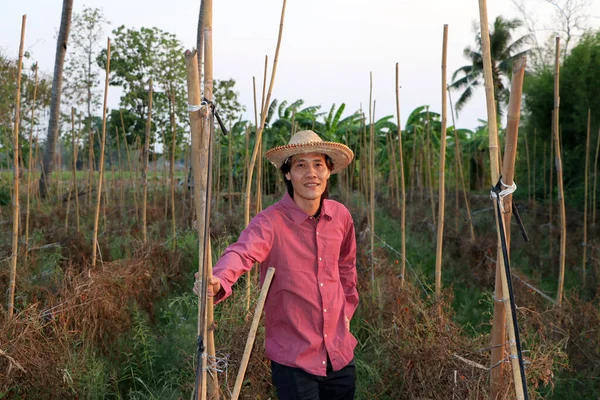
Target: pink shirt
{"points": [[314, 286]]}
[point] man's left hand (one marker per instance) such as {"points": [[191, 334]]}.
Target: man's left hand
{"points": [[347, 323]]}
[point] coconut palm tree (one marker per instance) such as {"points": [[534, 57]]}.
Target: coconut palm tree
{"points": [[504, 51]]}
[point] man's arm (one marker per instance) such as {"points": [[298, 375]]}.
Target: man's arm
{"points": [[347, 266], [253, 245]]}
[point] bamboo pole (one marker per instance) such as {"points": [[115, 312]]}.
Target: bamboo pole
{"points": [[102, 143], [145, 156], [206, 142], [494, 167], [172, 172], [462, 178], [199, 156], [252, 333], [90, 166], [371, 175], [528, 169], [429, 150], [534, 174], [258, 139], [131, 176], [29, 163], [75, 157], [586, 190], [16, 211], [508, 173], [442, 188], [72, 186], [559, 178], [402, 186], [595, 179]]}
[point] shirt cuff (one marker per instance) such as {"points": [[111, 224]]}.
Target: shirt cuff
{"points": [[225, 291]]}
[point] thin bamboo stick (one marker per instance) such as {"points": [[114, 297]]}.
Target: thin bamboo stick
{"points": [[145, 165], [29, 164], [559, 178], [259, 134], [371, 174], [131, 175], [528, 169], [429, 151], [102, 143], [595, 179], [16, 211], [402, 186], [586, 190], [442, 188], [72, 186], [252, 334], [172, 172], [494, 167], [75, 157]]}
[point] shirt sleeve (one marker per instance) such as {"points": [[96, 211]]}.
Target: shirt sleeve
{"points": [[253, 245], [347, 266]]}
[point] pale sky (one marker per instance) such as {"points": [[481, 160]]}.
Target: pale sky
{"points": [[328, 49]]}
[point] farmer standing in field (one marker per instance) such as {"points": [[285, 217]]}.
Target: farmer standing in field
{"points": [[310, 241]]}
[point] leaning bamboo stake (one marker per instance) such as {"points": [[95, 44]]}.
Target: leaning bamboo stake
{"points": [[102, 143], [559, 178], [494, 167], [16, 211], [508, 172], [442, 188], [29, 167], [258, 140], [252, 334], [585, 206], [402, 186], [145, 156]]}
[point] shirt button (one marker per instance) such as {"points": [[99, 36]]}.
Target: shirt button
{"points": [[317, 233], [325, 335], [324, 310], [324, 363], [319, 258], [321, 284]]}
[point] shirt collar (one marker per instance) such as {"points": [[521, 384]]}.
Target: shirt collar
{"points": [[298, 214]]}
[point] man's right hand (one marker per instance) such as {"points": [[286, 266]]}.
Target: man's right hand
{"points": [[214, 285]]}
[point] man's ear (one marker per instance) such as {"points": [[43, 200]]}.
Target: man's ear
{"points": [[288, 176]]}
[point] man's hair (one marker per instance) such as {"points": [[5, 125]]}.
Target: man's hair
{"points": [[287, 167]]}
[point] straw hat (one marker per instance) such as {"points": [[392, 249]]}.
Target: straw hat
{"points": [[309, 142]]}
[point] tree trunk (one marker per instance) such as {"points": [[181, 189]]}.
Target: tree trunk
{"points": [[59, 61], [145, 165]]}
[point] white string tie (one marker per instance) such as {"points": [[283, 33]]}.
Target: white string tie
{"points": [[508, 189]]}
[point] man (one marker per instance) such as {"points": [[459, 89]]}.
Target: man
{"points": [[310, 241]]}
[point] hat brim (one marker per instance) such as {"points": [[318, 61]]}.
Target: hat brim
{"points": [[340, 154]]}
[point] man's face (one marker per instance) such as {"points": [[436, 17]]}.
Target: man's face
{"points": [[309, 175]]}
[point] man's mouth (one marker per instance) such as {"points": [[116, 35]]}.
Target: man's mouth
{"points": [[311, 184]]}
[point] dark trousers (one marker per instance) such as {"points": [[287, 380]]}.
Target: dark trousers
{"points": [[297, 384]]}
